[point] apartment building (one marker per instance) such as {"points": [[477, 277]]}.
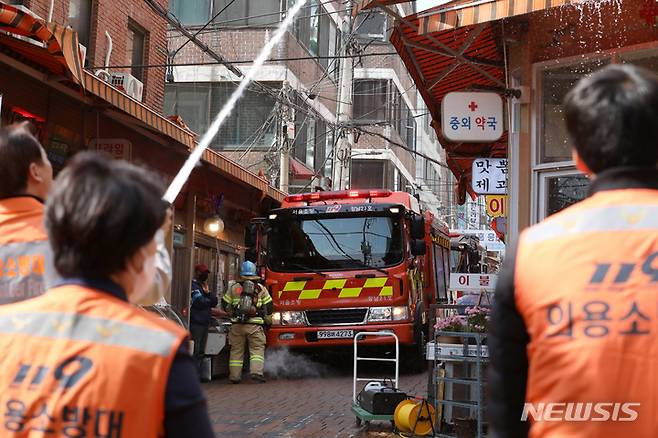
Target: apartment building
{"points": [[296, 89]]}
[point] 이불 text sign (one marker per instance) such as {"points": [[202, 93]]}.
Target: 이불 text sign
{"points": [[472, 117]]}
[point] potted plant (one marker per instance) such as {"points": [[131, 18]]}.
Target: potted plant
{"points": [[477, 320], [453, 323]]}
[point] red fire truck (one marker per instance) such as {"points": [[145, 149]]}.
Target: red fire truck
{"points": [[337, 263]]}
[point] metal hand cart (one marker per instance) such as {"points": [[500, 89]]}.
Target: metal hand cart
{"points": [[363, 416]]}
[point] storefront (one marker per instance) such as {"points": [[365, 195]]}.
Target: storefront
{"points": [[78, 111]]}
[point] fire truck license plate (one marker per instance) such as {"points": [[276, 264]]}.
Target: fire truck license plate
{"points": [[335, 334]]}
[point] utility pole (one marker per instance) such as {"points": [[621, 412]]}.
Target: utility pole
{"points": [[284, 139], [343, 149]]}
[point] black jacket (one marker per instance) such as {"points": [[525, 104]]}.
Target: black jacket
{"points": [[201, 304]]}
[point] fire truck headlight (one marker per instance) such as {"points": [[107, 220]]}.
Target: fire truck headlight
{"points": [[380, 314], [288, 318], [400, 313]]}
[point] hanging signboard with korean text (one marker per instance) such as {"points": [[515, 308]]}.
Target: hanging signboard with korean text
{"points": [[496, 205], [473, 282], [472, 117], [489, 176], [117, 148], [488, 239]]}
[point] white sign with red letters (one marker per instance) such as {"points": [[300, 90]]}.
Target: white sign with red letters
{"points": [[472, 117]]}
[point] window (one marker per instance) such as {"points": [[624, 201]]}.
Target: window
{"points": [[560, 189], [190, 102], [237, 13], [79, 19], [250, 124], [317, 31], [247, 12], [559, 183], [327, 42], [371, 24], [556, 82], [328, 243], [410, 129], [370, 98], [367, 174], [135, 52], [191, 12], [311, 138], [439, 273]]}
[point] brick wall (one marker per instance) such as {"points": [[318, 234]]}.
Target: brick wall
{"points": [[113, 16]]}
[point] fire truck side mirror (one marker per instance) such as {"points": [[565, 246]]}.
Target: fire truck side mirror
{"points": [[417, 227], [418, 247]]}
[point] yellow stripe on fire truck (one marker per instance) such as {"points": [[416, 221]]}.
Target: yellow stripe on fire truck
{"points": [[337, 286]]}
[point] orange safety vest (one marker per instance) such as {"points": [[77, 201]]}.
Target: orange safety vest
{"points": [[80, 362], [586, 285], [25, 255]]}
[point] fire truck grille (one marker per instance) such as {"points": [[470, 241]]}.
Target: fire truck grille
{"points": [[336, 316]]}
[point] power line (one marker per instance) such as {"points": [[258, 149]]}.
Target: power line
{"points": [[280, 12], [204, 26], [400, 145], [245, 61]]}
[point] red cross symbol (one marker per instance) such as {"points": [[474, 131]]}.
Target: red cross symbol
{"points": [[473, 106], [649, 11]]}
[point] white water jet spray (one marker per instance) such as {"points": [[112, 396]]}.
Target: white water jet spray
{"points": [[185, 171]]}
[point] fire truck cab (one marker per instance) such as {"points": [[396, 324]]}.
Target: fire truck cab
{"points": [[338, 263]]}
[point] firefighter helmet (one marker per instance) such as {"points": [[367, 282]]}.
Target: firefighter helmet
{"points": [[248, 270]]}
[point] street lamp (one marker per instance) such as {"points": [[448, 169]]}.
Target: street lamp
{"points": [[213, 225]]}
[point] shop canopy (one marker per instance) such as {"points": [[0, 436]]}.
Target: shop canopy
{"points": [[457, 47], [47, 43], [299, 169]]}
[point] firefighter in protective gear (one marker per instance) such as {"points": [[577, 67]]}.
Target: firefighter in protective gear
{"points": [[81, 359], [249, 306], [572, 344], [25, 180]]}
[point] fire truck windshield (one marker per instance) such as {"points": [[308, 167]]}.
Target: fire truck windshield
{"points": [[334, 243]]}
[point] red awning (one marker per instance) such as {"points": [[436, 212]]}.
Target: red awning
{"points": [[55, 47], [466, 59], [299, 169]]}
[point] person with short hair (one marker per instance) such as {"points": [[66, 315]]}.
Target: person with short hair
{"points": [[26, 176], [574, 321], [82, 354], [202, 302]]}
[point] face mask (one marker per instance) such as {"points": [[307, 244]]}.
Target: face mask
{"points": [[144, 283], [203, 277]]}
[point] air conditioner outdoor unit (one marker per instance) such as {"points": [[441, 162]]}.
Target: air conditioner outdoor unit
{"points": [[128, 84]]}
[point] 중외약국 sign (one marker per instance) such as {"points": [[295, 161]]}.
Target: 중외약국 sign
{"points": [[472, 117], [489, 176]]}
